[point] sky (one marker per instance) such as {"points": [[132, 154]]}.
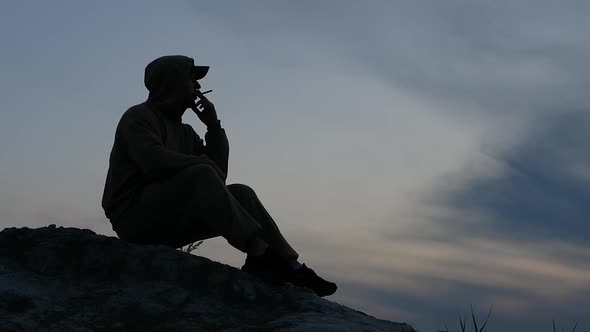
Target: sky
{"points": [[425, 155]]}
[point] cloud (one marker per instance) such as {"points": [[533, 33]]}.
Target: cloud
{"points": [[510, 234], [543, 190], [509, 58], [520, 57]]}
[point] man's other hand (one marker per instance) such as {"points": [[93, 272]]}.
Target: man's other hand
{"points": [[205, 110]]}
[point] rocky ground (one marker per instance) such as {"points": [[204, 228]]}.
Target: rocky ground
{"points": [[69, 279]]}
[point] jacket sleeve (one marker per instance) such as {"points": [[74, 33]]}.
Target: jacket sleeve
{"points": [[145, 146], [217, 147]]}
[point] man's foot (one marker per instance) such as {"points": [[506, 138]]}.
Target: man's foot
{"points": [[306, 277], [274, 269]]}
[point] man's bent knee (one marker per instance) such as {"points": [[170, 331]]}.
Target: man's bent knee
{"points": [[241, 189]]}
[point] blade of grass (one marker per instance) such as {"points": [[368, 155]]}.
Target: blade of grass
{"points": [[473, 319], [462, 323], [483, 327], [575, 326]]}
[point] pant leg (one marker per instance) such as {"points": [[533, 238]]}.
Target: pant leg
{"points": [[270, 232], [191, 205]]}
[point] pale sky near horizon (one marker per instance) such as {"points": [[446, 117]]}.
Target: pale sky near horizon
{"points": [[424, 155]]}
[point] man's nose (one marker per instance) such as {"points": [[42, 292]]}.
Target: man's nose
{"points": [[197, 85]]}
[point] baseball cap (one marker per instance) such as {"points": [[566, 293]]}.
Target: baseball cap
{"points": [[199, 72]]}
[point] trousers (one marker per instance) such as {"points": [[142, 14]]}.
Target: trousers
{"points": [[195, 204]]}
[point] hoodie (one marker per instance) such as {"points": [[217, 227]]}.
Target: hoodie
{"points": [[151, 142]]}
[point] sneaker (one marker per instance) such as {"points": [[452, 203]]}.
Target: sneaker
{"points": [[306, 277]]}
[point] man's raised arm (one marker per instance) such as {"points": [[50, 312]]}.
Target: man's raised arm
{"points": [[217, 144]]}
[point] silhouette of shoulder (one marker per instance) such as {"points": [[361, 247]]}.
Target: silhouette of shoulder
{"points": [[138, 112], [138, 116]]}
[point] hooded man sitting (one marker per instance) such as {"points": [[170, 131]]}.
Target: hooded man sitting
{"points": [[165, 186]]}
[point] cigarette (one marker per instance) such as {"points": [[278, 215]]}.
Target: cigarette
{"points": [[206, 92]]}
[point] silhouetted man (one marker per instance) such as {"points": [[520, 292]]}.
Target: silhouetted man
{"points": [[164, 186]]}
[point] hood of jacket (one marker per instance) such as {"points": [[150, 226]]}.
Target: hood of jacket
{"points": [[167, 79]]}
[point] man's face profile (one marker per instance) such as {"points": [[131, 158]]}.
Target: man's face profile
{"points": [[194, 86]]}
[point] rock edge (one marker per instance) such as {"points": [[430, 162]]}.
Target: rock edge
{"points": [[69, 279]]}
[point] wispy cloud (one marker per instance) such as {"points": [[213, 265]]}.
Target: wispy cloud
{"points": [[542, 192]]}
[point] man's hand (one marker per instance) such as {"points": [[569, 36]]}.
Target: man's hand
{"points": [[205, 110]]}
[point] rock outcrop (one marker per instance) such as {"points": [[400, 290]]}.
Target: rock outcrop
{"points": [[69, 279]]}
